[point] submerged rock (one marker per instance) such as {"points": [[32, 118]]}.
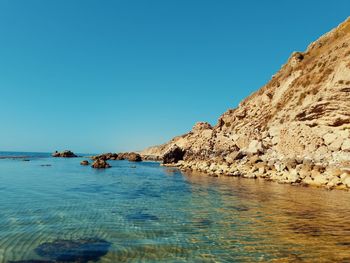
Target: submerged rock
{"points": [[141, 216], [100, 163], [64, 154], [32, 261], [85, 162], [80, 250]]}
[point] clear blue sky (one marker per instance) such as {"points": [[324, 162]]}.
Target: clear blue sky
{"points": [[95, 76]]}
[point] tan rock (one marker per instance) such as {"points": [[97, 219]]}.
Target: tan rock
{"points": [[261, 170], [319, 180], [345, 134], [255, 147], [334, 181], [346, 145], [346, 180], [329, 138], [336, 144]]}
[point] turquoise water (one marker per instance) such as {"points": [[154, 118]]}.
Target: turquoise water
{"points": [[148, 213]]}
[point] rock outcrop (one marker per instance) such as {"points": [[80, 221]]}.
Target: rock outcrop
{"points": [[64, 154], [134, 157], [130, 156], [295, 129], [173, 155], [106, 156], [100, 164]]}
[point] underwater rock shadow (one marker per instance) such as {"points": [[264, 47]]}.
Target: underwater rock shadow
{"points": [[238, 208], [202, 222], [80, 250], [141, 217], [32, 261], [146, 190]]}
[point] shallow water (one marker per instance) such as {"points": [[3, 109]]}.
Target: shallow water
{"points": [[148, 213]]}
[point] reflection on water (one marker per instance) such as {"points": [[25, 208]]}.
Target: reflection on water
{"points": [[150, 213]]}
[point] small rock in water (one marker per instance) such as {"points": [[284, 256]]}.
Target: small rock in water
{"points": [[85, 162], [100, 163], [80, 250], [64, 154]]}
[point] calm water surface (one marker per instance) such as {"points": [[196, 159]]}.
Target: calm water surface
{"points": [[147, 213]]}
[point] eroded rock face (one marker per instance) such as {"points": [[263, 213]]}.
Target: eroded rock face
{"points": [[64, 154], [173, 155], [100, 164], [302, 113]]}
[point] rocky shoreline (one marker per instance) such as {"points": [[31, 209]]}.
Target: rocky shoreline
{"points": [[302, 172], [295, 129], [255, 165]]}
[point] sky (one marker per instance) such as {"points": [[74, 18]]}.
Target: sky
{"points": [[101, 76]]}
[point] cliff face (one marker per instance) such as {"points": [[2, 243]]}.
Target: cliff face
{"points": [[302, 113]]}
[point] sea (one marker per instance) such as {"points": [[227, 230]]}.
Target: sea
{"points": [[56, 210]]}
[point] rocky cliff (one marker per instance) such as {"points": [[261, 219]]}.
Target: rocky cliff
{"points": [[295, 129]]}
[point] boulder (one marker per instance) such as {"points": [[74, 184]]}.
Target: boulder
{"points": [[334, 181], [151, 157], [134, 157], [346, 180], [64, 154], [121, 156], [85, 162], [200, 126], [100, 163], [173, 155], [106, 156], [254, 147], [336, 144], [346, 145], [329, 138], [319, 179]]}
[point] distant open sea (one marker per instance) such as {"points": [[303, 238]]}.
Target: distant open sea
{"points": [[24, 154], [55, 210]]}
